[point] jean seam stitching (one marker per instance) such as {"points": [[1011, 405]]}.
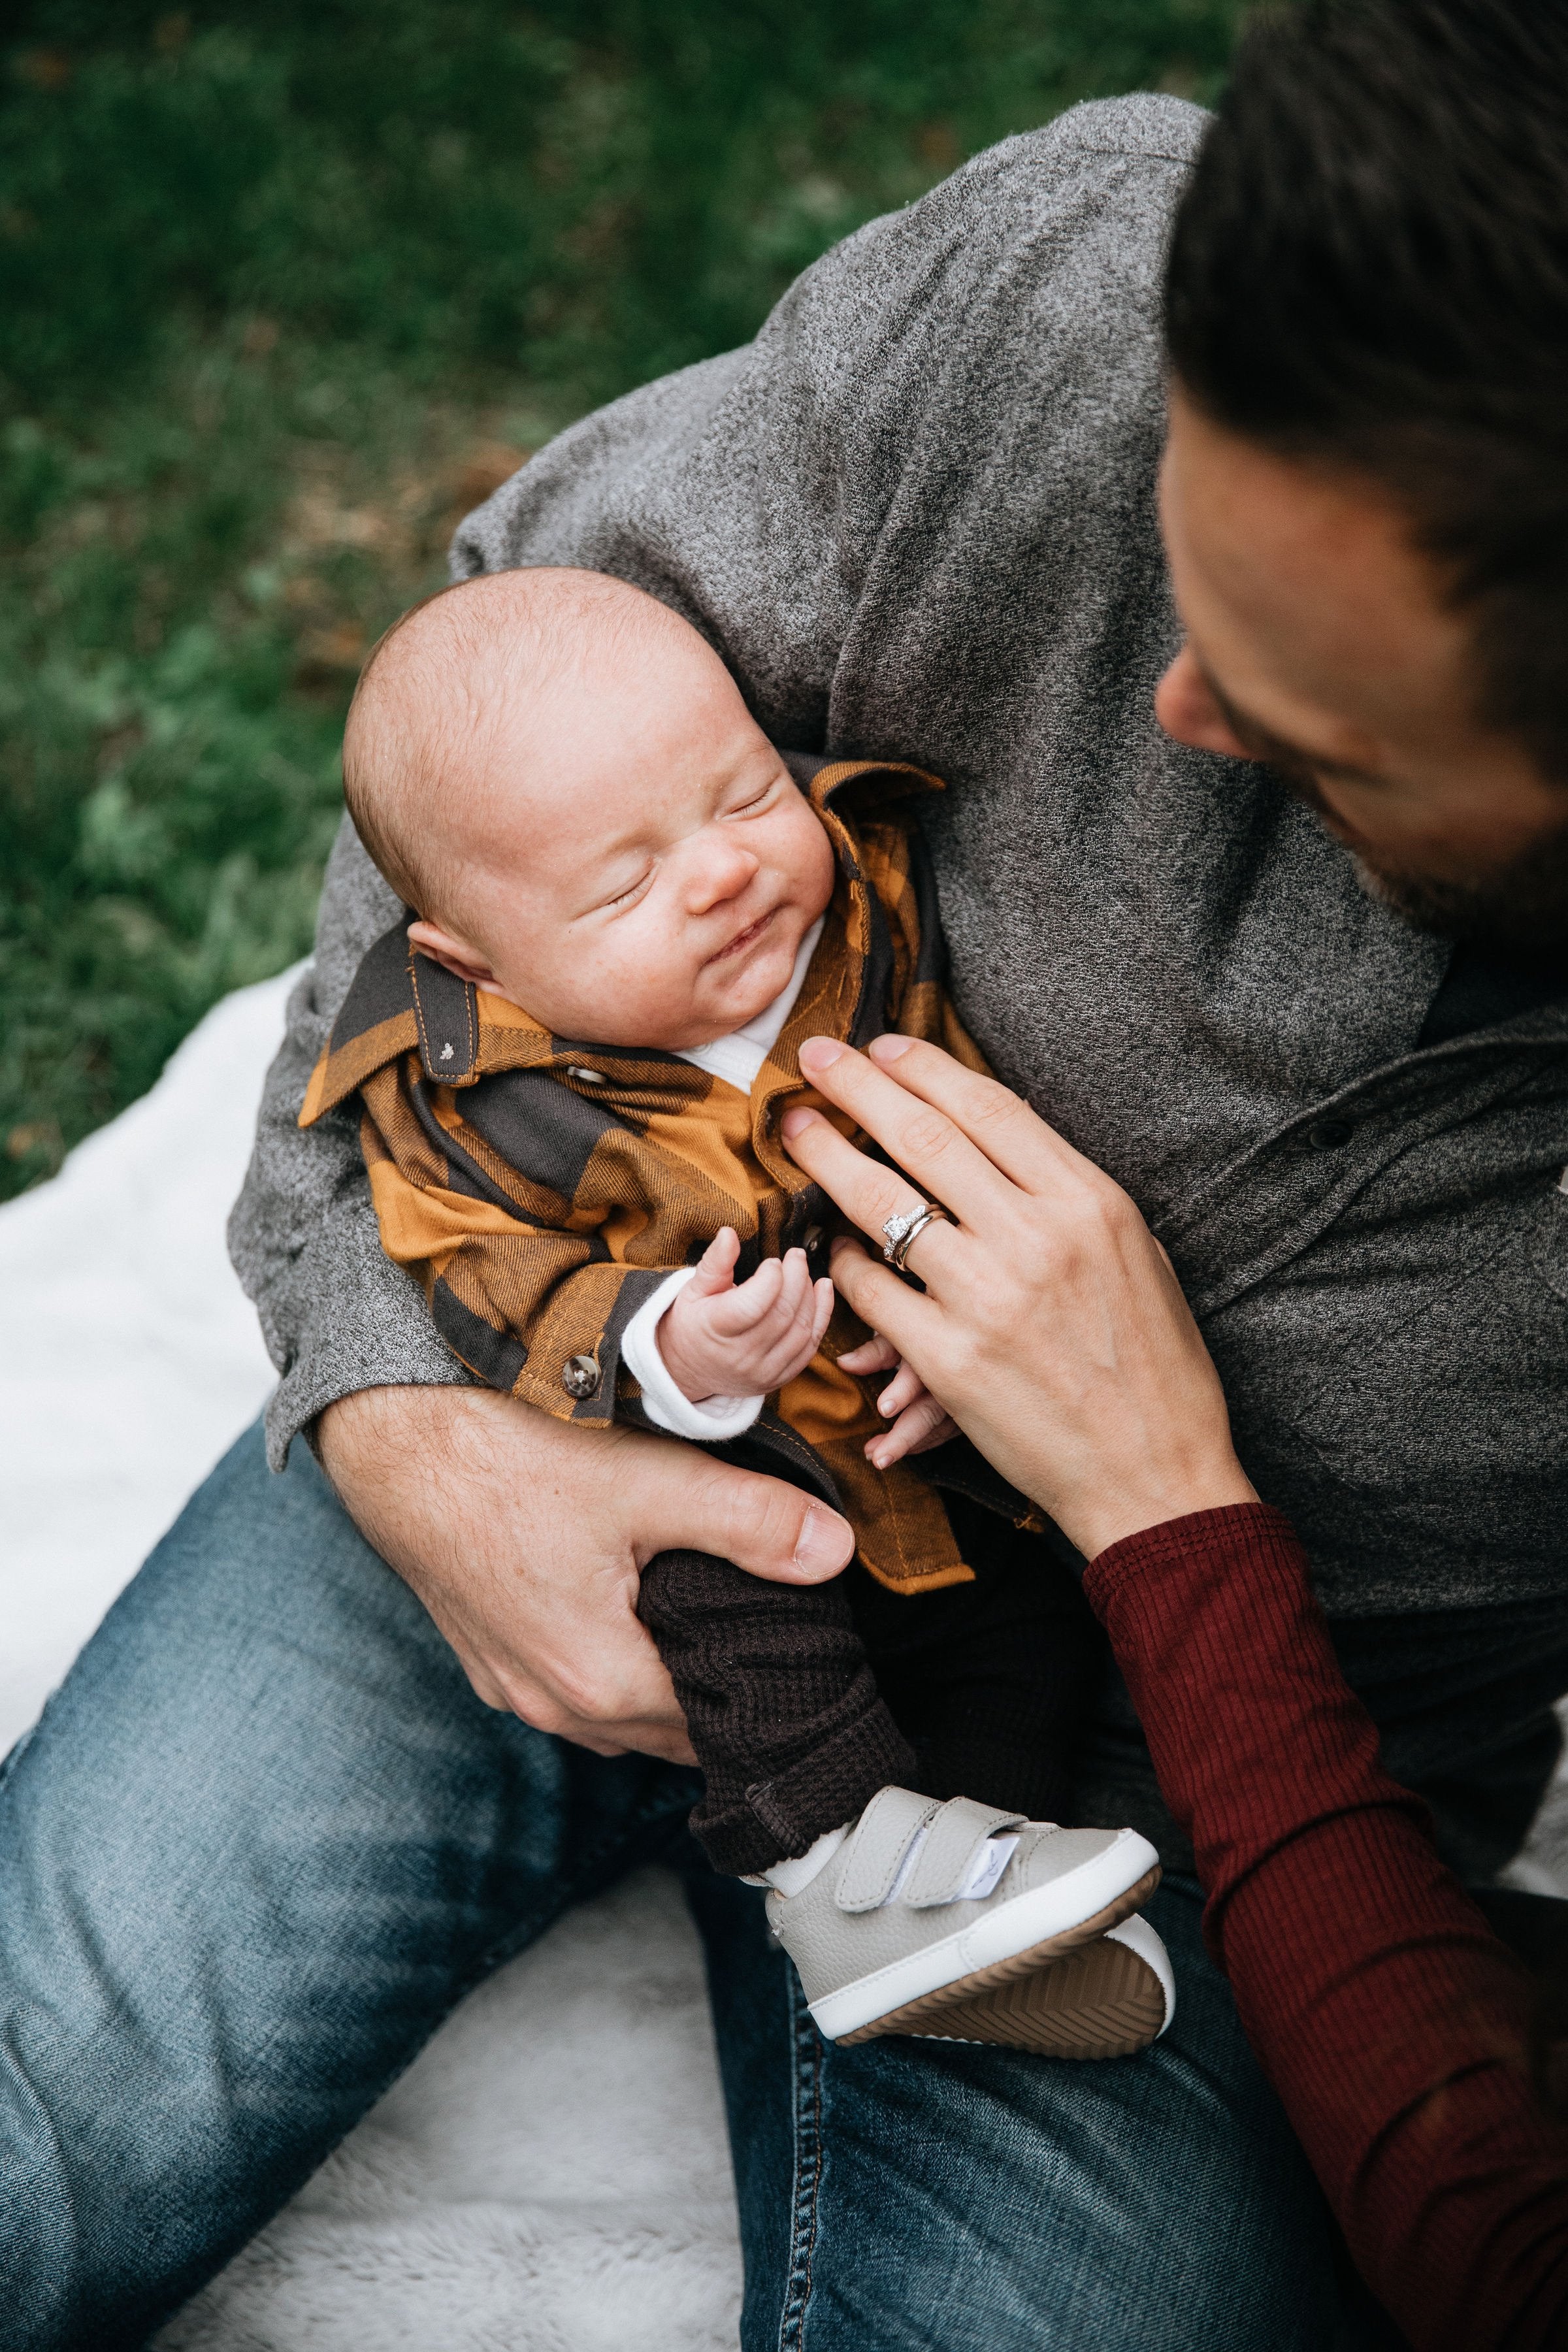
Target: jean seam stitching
{"points": [[806, 2061]]}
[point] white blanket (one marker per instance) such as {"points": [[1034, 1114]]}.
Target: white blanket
{"points": [[551, 2175]]}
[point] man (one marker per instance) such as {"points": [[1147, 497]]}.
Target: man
{"points": [[267, 1835]]}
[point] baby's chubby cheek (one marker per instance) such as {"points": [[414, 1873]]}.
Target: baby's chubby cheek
{"points": [[655, 994], [811, 863], [642, 994]]}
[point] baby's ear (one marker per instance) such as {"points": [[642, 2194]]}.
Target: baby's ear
{"points": [[452, 954]]}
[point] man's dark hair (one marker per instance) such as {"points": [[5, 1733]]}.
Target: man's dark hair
{"points": [[1370, 268]]}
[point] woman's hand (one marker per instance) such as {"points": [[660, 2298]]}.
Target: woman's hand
{"points": [[1052, 1327]]}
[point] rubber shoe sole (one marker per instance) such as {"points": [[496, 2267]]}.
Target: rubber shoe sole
{"points": [[1109, 2000], [836, 2017]]}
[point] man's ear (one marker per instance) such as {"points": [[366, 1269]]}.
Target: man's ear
{"points": [[454, 955], [1187, 707]]}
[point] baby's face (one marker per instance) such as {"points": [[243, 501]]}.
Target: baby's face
{"points": [[648, 866]]}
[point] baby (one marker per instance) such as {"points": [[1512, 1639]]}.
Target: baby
{"points": [[624, 911]]}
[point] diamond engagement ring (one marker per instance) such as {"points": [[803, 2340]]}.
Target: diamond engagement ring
{"points": [[900, 1233]]}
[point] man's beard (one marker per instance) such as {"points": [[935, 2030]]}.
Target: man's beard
{"points": [[1517, 912]]}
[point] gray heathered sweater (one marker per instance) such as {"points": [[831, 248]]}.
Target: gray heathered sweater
{"points": [[916, 516]]}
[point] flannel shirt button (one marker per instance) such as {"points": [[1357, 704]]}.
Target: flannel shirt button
{"points": [[580, 1376], [584, 1078]]}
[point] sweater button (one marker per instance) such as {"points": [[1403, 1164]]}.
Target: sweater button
{"points": [[580, 1376], [1329, 1134], [814, 1239], [584, 1078]]}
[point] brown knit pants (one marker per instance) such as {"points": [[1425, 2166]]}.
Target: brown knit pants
{"points": [[803, 1700]]}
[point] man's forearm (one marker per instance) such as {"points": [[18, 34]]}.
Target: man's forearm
{"points": [[479, 1507], [525, 1538]]}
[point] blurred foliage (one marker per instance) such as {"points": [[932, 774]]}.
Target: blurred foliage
{"points": [[285, 290]]}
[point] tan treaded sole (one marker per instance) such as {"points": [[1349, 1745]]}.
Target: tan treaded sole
{"points": [[1100, 2002], [931, 2016]]}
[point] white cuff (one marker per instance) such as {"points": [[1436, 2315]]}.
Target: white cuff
{"points": [[666, 1406]]}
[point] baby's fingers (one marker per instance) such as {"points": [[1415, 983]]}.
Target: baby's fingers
{"points": [[742, 1309], [796, 1340], [790, 1327], [716, 1266], [873, 1355], [794, 1296], [919, 1427], [904, 1389]]}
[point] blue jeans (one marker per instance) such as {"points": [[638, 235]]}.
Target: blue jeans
{"points": [[265, 1838]]}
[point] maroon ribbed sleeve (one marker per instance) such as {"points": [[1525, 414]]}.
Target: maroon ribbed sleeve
{"points": [[1389, 2017]]}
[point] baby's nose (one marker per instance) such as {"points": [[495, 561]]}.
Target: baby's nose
{"points": [[722, 874]]}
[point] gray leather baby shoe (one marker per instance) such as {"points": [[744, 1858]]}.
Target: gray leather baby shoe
{"points": [[927, 1906]]}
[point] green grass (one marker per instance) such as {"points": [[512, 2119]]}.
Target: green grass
{"points": [[285, 290]]}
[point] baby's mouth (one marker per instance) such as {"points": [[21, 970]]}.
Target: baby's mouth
{"points": [[744, 938]]}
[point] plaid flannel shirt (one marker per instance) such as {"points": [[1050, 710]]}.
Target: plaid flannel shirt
{"points": [[542, 1188]]}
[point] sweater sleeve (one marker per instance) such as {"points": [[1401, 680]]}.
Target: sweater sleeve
{"points": [[1393, 2024], [337, 1313]]}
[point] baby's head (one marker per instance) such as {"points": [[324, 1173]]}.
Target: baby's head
{"points": [[560, 776]]}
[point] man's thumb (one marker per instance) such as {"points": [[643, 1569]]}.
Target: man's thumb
{"points": [[764, 1526]]}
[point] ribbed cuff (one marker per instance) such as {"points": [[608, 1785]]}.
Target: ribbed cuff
{"points": [[1254, 1734], [1393, 2024], [784, 1815], [1201, 1541]]}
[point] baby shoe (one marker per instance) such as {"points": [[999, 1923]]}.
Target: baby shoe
{"points": [[1107, 1999], [922, 1905]]}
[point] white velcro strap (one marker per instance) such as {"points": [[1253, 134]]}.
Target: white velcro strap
{"points": [[875, 1855], [946, 1861]]}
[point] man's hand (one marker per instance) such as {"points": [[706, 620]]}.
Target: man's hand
{"points": [[525, 1539], [721, 1339]]}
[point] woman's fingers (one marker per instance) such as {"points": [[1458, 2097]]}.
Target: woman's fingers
{"points": [[900, 1390], [895, 1309], [917, 1428], [1014, 1138], [864, 1188], [934, 1426], [931, 1149]]}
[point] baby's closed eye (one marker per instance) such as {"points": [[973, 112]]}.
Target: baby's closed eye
{"points": [[627, 897]]}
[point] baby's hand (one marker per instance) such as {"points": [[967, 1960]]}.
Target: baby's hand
{"points": [[919, 1422], [721, 1340]]}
